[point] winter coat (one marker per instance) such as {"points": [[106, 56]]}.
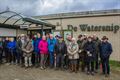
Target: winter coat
{"points": [[11, 46], [27, 49], [82, 52], [105, 49], [72, 50], [60, 48], [19, 46], [90, 47], [51, 44], [36, 43], [43, 46], [97, 43]]}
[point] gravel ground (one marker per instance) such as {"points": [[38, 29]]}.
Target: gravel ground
{"points": [[14, 72]]}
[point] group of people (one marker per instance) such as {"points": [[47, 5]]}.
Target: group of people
{"points": [[85, 53]]}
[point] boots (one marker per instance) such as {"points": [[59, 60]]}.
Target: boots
{"points": [[71, 68], [75, 68]]}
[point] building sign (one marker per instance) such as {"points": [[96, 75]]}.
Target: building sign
{"points": [[24, 26], [86, 27]]}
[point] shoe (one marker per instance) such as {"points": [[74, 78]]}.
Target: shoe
{"points": [[106, 75], [41, 68], [92, 73], [88, 73], [96, 71]]}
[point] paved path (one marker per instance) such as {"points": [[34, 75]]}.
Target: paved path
{"points": [[14, 72]]}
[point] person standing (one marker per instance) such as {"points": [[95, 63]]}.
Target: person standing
{"points": [[97, 51], [105, 52], [67, 42], [73, 55], [1, 50], [20, 43], [37, 50], [51, 46], [12, 51], [27, 52], [60, 53], [90, 49], [5, 48], [43, 46], [82, 53]]}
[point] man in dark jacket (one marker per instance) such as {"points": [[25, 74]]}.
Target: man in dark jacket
{"points": [[90, 49], [19, 45], [82, 54], [60, 53], [105, 52], [97, 51]]}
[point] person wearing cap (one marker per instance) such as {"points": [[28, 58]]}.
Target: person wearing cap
{"points": [[90, 49], [97, 43], [73, 55], [51, 46], [105, 52], [60, 53]]}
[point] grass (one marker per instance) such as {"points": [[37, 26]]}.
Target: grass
{"points": [[115, 65]]}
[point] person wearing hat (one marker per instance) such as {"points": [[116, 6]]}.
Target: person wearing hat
{"points": [[73, 55], [90, 49], [60, 53], [105, 52]]}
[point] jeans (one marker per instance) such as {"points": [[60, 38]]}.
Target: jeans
{"points": [[105, 65], [96, 61], [90, 66], [37, 58], [51, 59], [60, 60]]}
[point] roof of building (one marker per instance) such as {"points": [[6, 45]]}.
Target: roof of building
{"points": [[16, 19], [80, 14]]}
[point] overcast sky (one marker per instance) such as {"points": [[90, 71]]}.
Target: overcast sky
{"points": [[44, 7]]}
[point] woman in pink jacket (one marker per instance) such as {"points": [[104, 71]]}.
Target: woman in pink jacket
{"points": [[43, 46]]}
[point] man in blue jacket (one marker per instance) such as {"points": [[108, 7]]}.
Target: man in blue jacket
{"points": [[12, 50], [36, 49], [51, 45], [105, 52]]}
